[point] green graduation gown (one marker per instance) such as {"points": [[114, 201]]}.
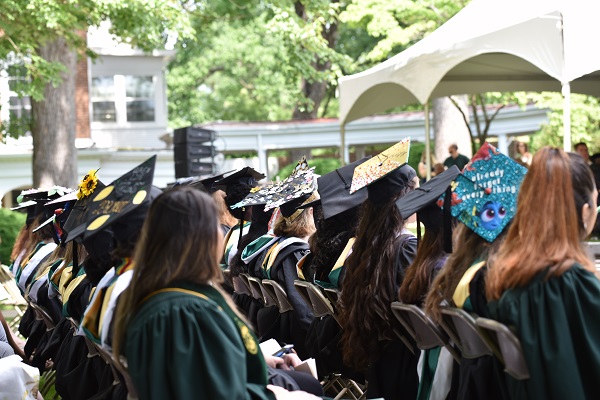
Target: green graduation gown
{"points": [[184, 346], [558, 323]]}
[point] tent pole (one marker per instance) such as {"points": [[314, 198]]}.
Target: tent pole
{"points": [[343, 145], [566, 92], [427, 142]]}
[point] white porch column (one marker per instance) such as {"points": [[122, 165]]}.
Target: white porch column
{"points": [[503, 143], [263, 165]]}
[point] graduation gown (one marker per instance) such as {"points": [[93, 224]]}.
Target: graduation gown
{"points": [[482, 377], [184, 346], [558, 323], [279, 264], [394, 374]]}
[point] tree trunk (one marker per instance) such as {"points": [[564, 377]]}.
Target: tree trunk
{"points": [[315, 91], [54, 124], [449, 127]]}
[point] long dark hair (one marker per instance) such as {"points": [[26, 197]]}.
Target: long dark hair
{"points": [[180, 241], [421, 272], [371, 281]]}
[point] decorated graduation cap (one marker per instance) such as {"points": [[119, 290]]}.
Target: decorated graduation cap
{"points": [[333, 189], [295, 190], [380, 165], [77, 218], [484, 197], [121, 197]]}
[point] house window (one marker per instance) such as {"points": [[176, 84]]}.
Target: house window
{"points": [[139, 93], [123, 99], [103, 99]]}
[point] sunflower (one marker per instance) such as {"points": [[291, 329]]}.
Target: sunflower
{"points": [[88, 185]]}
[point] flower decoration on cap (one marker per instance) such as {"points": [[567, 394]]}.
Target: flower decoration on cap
{"points": [[88, 184], [380, 165], [484, 197]]}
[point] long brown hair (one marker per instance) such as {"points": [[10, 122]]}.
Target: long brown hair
{"points": [[23, 243], [180, 242], [421, 272], [371, 282], [548, 228], [468, 248]]}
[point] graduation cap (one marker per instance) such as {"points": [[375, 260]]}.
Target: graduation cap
{"points": [[333, 189], [33, 200], [484, 197], [209, 183], [57, 212], [120, 198], [299, 184], [75, 224], [294, 207], [380, 165], [423, 201], [426, 194], [245, 176]]}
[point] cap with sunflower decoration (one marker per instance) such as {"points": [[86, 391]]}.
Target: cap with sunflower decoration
{"points": [[121, 197], [74, 226]]}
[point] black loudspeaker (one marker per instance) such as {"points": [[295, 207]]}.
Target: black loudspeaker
{"points": [[194, 152]]}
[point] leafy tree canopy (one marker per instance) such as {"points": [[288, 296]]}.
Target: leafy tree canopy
{"points": [[26, 25]]}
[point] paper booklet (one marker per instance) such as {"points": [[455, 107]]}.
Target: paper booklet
{"points": [[308, 366]]}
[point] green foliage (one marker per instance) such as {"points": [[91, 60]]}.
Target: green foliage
{"points": [[585, 121], [11, 223], [249, 64], [414, 156], [29, 24], [322, 167], [398, 23]]}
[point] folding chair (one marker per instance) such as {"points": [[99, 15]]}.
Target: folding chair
{"points": [[510, 347], [41, 314], [227, 276], [462, 329], [422, 329], [333, 295], [241, 285], [12, 296], [343, 388], [319, 304], [275, 288], [255, 289]]}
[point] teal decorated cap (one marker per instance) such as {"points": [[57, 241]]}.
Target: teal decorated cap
{"points": [[484, 197]]}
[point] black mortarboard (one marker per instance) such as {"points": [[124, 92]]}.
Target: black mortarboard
{"points": [[209, 183], [288, 209], [427, 194], [424, 201], [246, 176], [334, 190], [33, 201], [121, 197], [79, 215]]}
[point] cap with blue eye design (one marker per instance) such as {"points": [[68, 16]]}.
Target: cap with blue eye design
{"points": [[484, 197]]}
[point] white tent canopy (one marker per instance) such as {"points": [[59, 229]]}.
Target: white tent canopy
{"points": [[513, 45]]}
